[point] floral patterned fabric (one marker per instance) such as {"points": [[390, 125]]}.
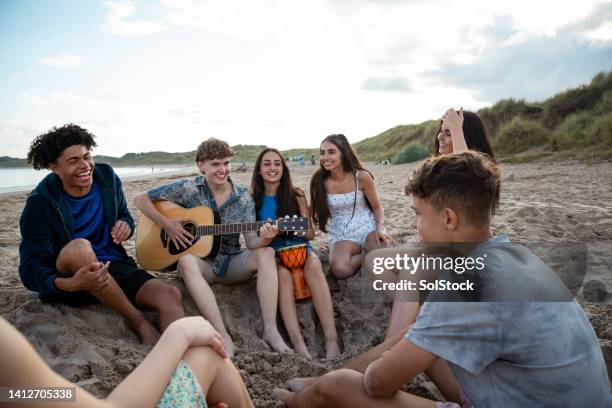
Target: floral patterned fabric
{"points": [[346, 225], [183, 390], [239, 208]]}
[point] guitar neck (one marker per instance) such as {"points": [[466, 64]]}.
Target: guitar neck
{"points": [[222, 229]]}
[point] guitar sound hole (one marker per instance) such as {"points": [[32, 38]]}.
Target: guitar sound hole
{"points": [[190, 228]]}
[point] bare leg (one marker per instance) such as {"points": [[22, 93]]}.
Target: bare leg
{"points": [[194, 270], [262, 260], [344, 259], [286, 303], [359, 363], [165, 298], [344, 388], [218, 378], [79, 252], [321, 297]]}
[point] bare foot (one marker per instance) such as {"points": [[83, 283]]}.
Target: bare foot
{"points": [[302, 350], [230, 347], [275, 340], [283, 396], [297, 384], [331, 349], [147, 332]]}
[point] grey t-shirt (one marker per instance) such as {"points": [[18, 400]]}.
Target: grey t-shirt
{"points": [[516, 354]]}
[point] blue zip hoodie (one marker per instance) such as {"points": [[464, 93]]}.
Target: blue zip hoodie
{"points": [[46, 226]]}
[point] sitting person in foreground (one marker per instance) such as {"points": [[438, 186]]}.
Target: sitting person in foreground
{"points": [[500, 354], [72, 229], [186, 368]]}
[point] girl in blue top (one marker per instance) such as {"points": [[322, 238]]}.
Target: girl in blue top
{"points": [[275, 196]]}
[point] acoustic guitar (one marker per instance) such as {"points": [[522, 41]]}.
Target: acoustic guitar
{"points": [[156, 251]]}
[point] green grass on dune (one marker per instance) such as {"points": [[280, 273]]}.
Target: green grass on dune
{"points": [[576, 123]]}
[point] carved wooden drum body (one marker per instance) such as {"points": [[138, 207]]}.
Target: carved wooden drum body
{"points": [[293, 258]]}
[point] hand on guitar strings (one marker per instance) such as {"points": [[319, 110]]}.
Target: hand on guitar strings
{"points": [[177, 234], [268, 231]]}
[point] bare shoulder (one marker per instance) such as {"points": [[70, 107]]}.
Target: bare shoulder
{"points": [[299, 192], [365, 178]]}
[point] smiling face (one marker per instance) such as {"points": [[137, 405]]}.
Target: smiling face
{"points": [[444, 140], [432, 225], [271, 168], [216, 170], [75, 168], [331, 158]]}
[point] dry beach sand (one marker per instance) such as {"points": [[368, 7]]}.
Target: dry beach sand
{"points": [[543, 205]]}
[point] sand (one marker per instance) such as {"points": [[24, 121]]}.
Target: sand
{"points": [[542, 204]]}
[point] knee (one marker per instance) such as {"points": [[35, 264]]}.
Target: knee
{"points": [[80, 246], [187, 266], [265, 253], [313, 268], [202, 360], [167, 294], [330, 388], [341, 270]]}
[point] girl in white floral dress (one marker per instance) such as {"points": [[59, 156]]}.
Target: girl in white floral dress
{"points": [[344, 203]]}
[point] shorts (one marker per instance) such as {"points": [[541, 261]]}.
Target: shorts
{"points": [[227, 269], [126, 273], [183, 390]]}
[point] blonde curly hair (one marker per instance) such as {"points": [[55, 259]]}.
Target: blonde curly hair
{"points": [[212, 149]]}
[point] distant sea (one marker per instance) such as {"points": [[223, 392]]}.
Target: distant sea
{"points": [[24, 179]]}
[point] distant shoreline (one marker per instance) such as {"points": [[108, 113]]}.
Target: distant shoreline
{"points": [[182, 170]]}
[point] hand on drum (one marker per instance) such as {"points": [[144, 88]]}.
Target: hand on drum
{"points": [[268, 231]]}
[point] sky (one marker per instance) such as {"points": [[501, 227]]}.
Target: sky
{"points": [[165, 75]]}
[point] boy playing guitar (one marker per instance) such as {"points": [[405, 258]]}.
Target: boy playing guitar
{"points": [[232, 265]]}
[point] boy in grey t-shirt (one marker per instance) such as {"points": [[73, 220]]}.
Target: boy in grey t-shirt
{"points": [[501, 354]]}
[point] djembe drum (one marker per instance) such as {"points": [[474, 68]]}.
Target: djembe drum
{"points": [[293, 258]]}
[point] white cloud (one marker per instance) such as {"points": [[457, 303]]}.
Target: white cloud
{"points": [[601, 35], [63, 61], [119, 11], [287, 73], [36, 99]]}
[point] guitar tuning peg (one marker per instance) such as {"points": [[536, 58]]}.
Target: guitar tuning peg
{"points": [[286, 216], [295, 216]]}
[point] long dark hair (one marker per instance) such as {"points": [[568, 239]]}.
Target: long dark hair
{"points": [[475, 133], [319, 210], [286, 194]]}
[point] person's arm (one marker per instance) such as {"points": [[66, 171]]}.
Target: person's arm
{"points": [[369, 190], [304, 212], [23, 368], [385, 376], [453, 121], [173, 227], [36, 254], [145, 385], [123, 213], [266, 233]]}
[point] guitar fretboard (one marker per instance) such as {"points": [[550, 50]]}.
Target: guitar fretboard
{"points": [[221, 229]]}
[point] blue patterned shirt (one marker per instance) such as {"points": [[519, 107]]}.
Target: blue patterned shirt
{"points": [[194, 192]]}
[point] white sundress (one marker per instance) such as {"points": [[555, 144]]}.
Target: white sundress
{"points": [[345, 225]]}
